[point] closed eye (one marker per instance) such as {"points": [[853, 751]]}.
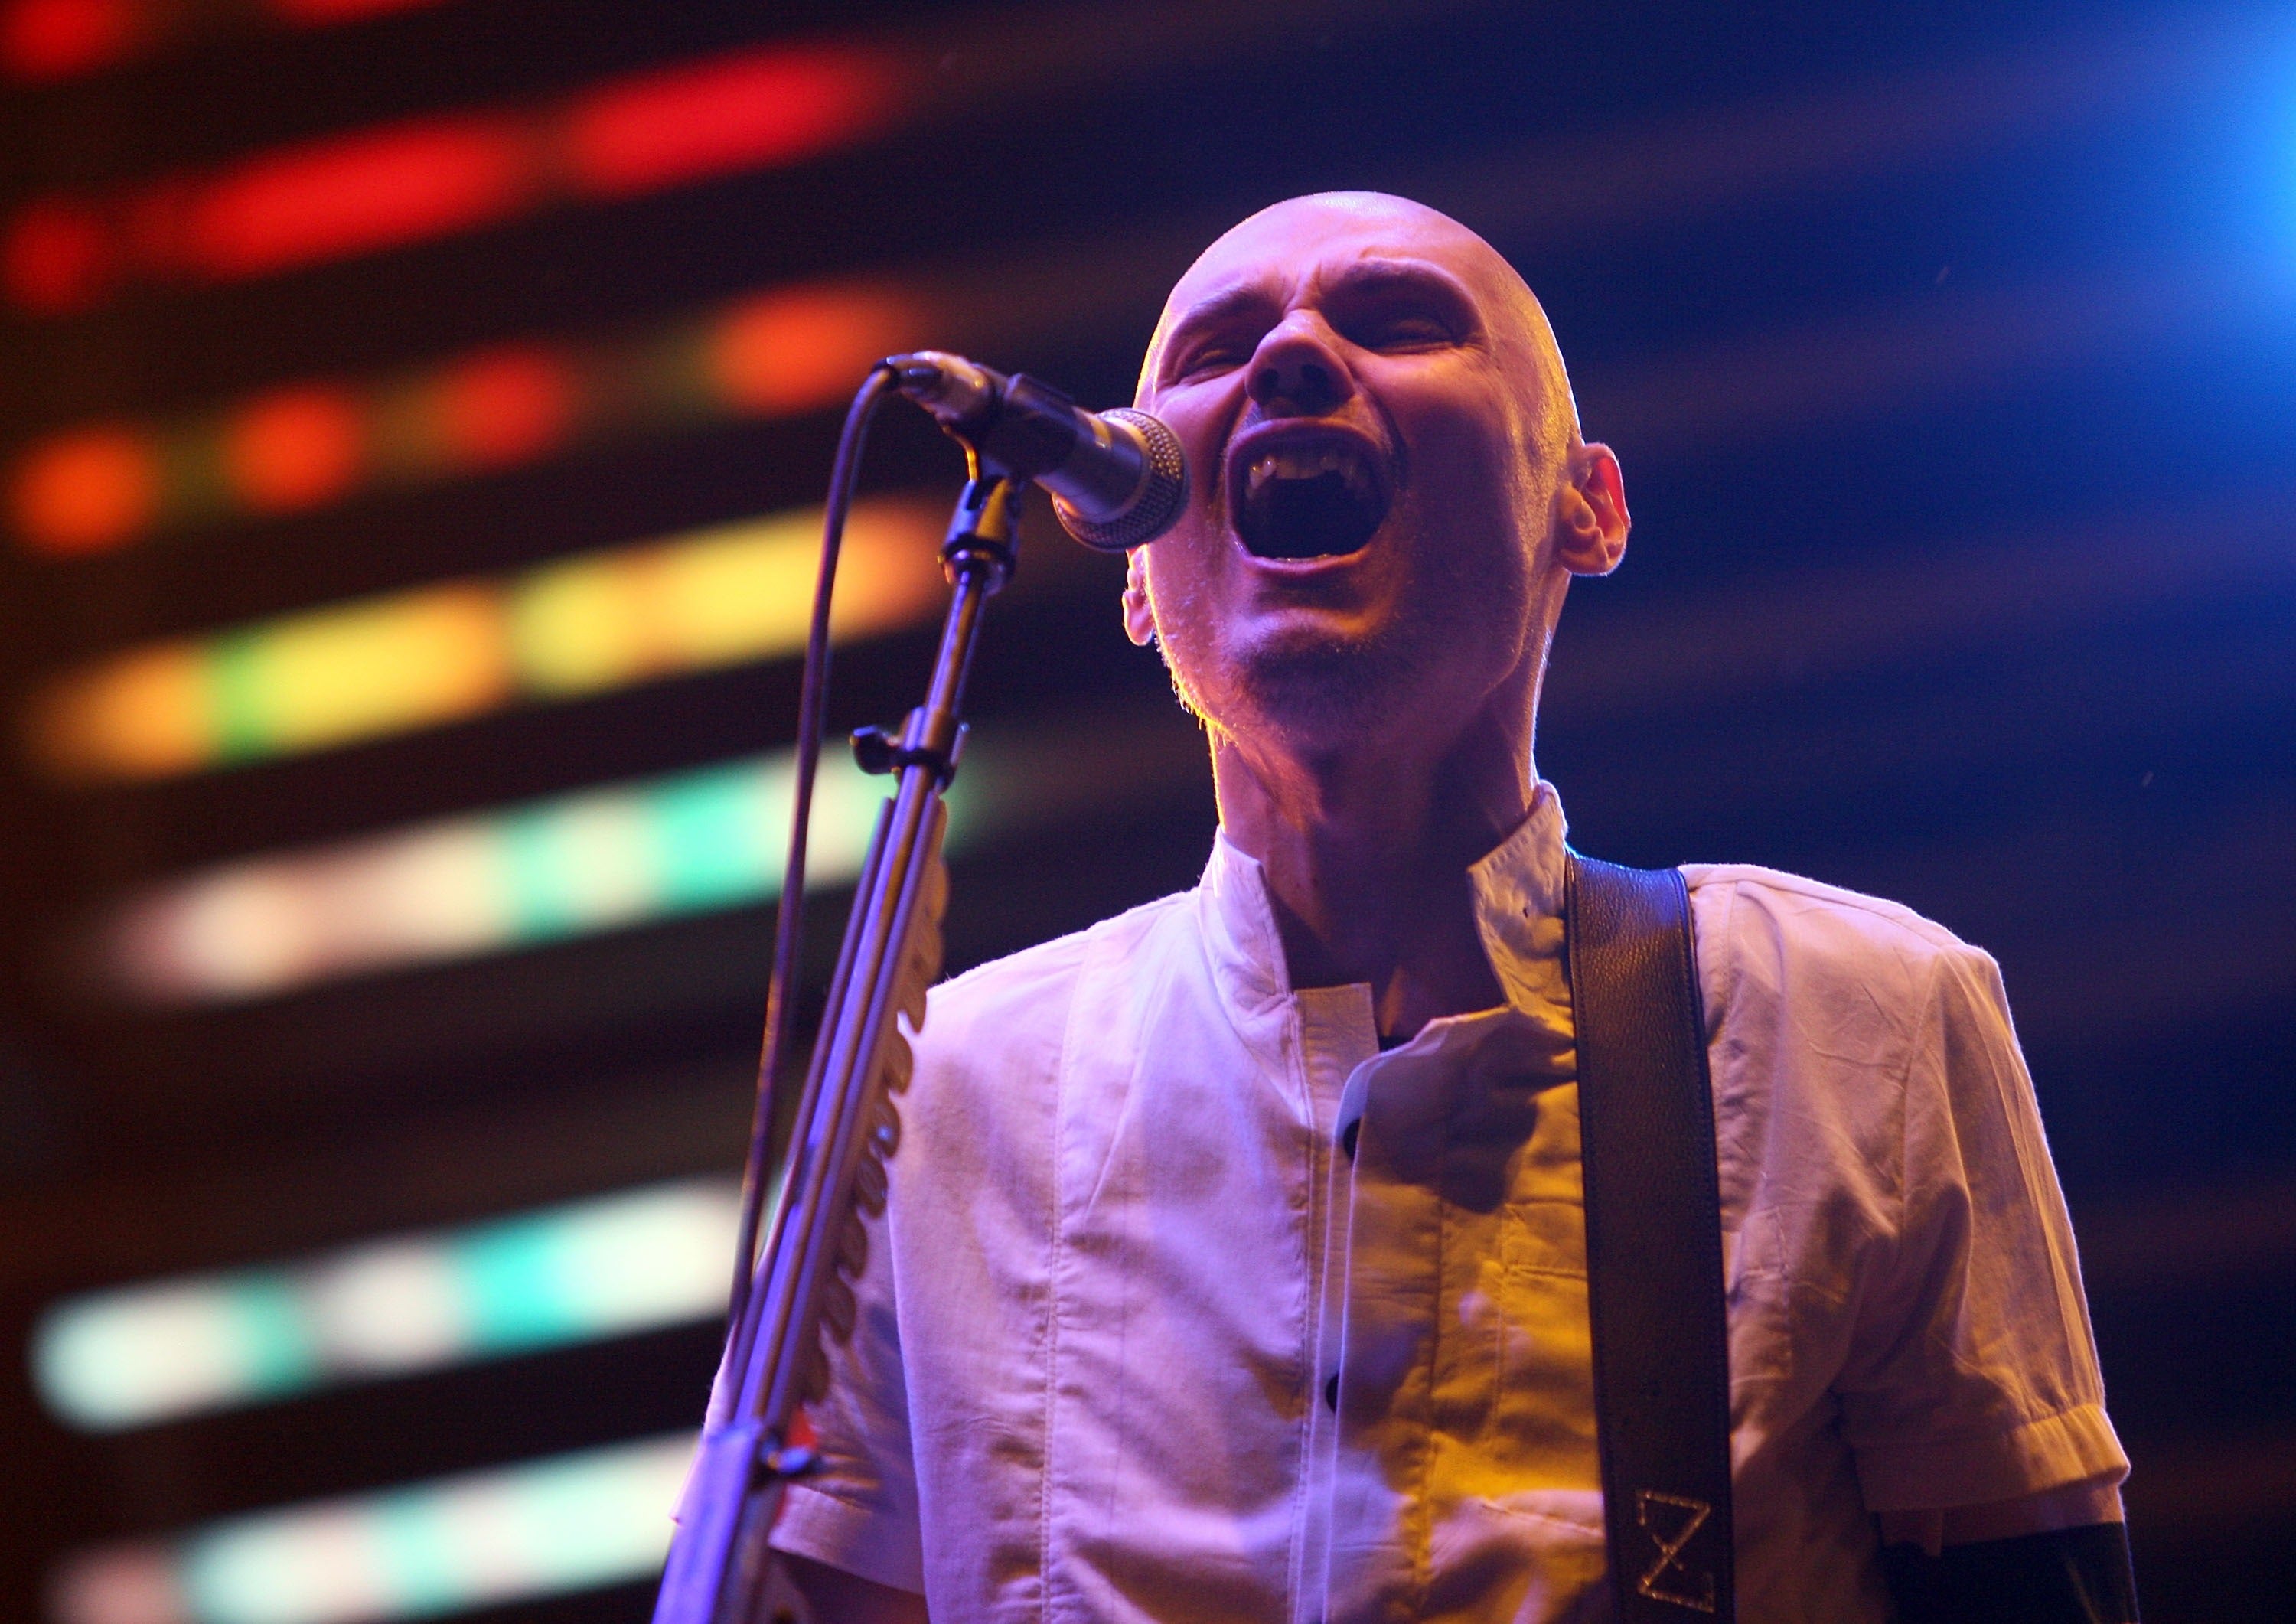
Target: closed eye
{"points": [[1402, 333], [1218, 334], [1209, 359], [1400, 308]]}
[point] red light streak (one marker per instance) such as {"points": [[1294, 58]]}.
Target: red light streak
{"points": [[508, 405], [738, 113], [356, 194], [352, 195], [325, 13], [59, 257], [55, 39], [42, 41]]}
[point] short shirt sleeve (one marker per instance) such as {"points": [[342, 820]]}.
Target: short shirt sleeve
{"points": [[859, 1511], [1972, 1376]]}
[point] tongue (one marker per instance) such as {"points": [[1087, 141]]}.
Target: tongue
{"points": [[1315, 517]]}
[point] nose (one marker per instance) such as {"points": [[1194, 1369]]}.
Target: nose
{"points": [[1297, 372]]}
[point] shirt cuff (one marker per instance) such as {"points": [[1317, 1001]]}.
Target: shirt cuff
{"points": [[1938, 1475], [848, 1537]]}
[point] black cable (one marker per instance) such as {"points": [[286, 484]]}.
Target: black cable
{"points": [[813, 714]]}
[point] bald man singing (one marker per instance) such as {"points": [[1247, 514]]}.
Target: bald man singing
{"points": [[1175, 1315]]}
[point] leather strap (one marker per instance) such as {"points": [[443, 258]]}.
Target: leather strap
{"points": [[1654, 1243]]}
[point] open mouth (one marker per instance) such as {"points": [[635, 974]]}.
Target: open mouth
{"points": [[1309, 501]]}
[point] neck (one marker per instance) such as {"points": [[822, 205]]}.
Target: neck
{"points": [[1367, 853]]}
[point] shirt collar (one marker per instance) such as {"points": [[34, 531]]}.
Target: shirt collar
{"points": [[1240, 933], [1517, 891]]}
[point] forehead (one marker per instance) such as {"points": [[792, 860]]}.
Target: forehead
{"points": [[1295, 248]]}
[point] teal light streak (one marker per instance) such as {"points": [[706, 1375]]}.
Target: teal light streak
{"points": [[718, 831], [542, 1527], [511, 1279], [282, 1354], [617, 1264]]}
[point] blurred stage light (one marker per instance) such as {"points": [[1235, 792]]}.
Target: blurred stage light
{"points": [[367, 190], [46, 40], [596, 860], [544, 1528], [96, 486], [608, 1267], [440, 654]]}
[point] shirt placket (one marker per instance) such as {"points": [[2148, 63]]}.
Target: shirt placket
{"points": [[1382, 1282], [1336, 1035]]}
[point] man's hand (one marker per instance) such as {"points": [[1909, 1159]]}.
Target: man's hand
{"points": [[839, 1597]]}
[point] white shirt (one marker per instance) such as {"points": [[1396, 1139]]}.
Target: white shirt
{"points": [[1139, 1341]]}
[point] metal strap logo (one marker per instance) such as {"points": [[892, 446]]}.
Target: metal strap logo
{"points": [[1657, 1513]]}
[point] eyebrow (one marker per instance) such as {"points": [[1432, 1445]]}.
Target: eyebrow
{"points": [[1414, 276], [1232, 303], [1359, 278]]}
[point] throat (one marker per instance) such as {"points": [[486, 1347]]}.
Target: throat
{"points": [[1366, 859], [1419, 954]]}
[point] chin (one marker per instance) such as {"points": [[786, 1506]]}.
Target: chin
{"points": [[1323, 685]]}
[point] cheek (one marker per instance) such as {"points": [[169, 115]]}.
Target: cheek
{"points": [[1481, 494], [1200, 621], [1202, 416], [1174, 579], [1471, 461], [1474, 578]]}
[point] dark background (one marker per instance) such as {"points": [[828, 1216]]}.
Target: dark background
{"points": [[1950, 350]]}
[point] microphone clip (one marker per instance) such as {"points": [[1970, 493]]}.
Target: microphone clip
{"points": [[876, 750], [984, 530]]}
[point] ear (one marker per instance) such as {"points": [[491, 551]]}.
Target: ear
{"points": [[1590, 512], [1139, 619]]}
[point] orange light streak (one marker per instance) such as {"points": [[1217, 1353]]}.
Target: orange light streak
{"points": [[294, 448], [101, 485], [81, 491], [797, 348]]}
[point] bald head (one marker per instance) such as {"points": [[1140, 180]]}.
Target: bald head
{"points": [[1325, 228], [1387, 491]]}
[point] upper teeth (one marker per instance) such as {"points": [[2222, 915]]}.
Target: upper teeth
{"points": [[1306, 462]]}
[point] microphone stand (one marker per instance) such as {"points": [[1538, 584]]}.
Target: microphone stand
{"points": [[847, 1122]]}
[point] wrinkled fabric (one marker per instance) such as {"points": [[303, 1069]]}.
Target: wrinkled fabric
{"points": [[1141, 1340]]}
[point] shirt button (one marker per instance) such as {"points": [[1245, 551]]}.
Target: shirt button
{"points": [[1331, 1394], [1349, 1136]]}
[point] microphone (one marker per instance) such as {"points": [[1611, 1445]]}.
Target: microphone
{"points": [[1118, 479]]}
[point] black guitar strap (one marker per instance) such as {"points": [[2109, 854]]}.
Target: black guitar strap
{"points": [[1654, 1243]]}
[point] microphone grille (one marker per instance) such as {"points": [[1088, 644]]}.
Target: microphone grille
{"points": [[1162, 494]]}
